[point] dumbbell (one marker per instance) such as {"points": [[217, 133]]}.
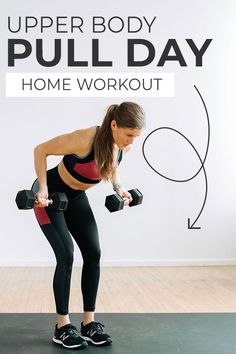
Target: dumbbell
{"points": [[115, 202], [25, 199]]}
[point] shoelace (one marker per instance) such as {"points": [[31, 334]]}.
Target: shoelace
{"points": [[97, 326], [72, 330]]}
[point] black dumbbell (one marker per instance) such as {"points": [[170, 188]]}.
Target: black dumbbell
{"points": [[25, 199], [115, 202]]}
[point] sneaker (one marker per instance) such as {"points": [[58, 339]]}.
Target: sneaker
{"points": [[69, 337], [93, 332]]}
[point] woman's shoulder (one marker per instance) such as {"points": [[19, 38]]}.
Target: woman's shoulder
{"points": [[86, 133], [86, 136]]}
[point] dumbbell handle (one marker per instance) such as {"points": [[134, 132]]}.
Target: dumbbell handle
{"points": [[50, 201], [125, 198]]}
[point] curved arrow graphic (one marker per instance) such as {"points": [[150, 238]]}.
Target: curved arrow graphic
{"points": [[202, 162]]}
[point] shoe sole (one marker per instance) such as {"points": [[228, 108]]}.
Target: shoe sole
{"points": [[103, 343], [79, 346]]}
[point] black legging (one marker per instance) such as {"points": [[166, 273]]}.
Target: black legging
{"points": [[58, 226]]}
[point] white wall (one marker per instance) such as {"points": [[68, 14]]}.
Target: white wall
{"points": [[156, 232]]}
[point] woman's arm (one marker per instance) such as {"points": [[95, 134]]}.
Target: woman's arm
{"points": [[119, 189], [76, 142], [115, 180]]}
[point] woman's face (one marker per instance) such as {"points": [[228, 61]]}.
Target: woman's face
{"points": [[124, 136]]}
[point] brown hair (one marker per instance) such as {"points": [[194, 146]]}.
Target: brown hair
{"points": [[126, 115]]}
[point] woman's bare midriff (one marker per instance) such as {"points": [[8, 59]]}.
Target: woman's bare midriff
{"points": [[70, 180]]}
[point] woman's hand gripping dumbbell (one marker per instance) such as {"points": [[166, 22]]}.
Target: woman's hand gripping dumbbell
{"points": [[115, 202], [26, 199]]}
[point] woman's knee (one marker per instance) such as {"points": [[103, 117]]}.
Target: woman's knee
{"points": [[65, 258], [70, 259], [92, 256]]}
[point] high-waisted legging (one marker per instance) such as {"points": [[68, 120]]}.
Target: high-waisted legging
{"points": [[58, 226]]}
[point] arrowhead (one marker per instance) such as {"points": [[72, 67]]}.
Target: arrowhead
{"points": [[191, 227]]}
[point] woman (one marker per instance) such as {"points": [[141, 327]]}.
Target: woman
{"points": [[90, 155]]}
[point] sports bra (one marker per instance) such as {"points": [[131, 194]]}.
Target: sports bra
{"points": [[85, 169]]}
